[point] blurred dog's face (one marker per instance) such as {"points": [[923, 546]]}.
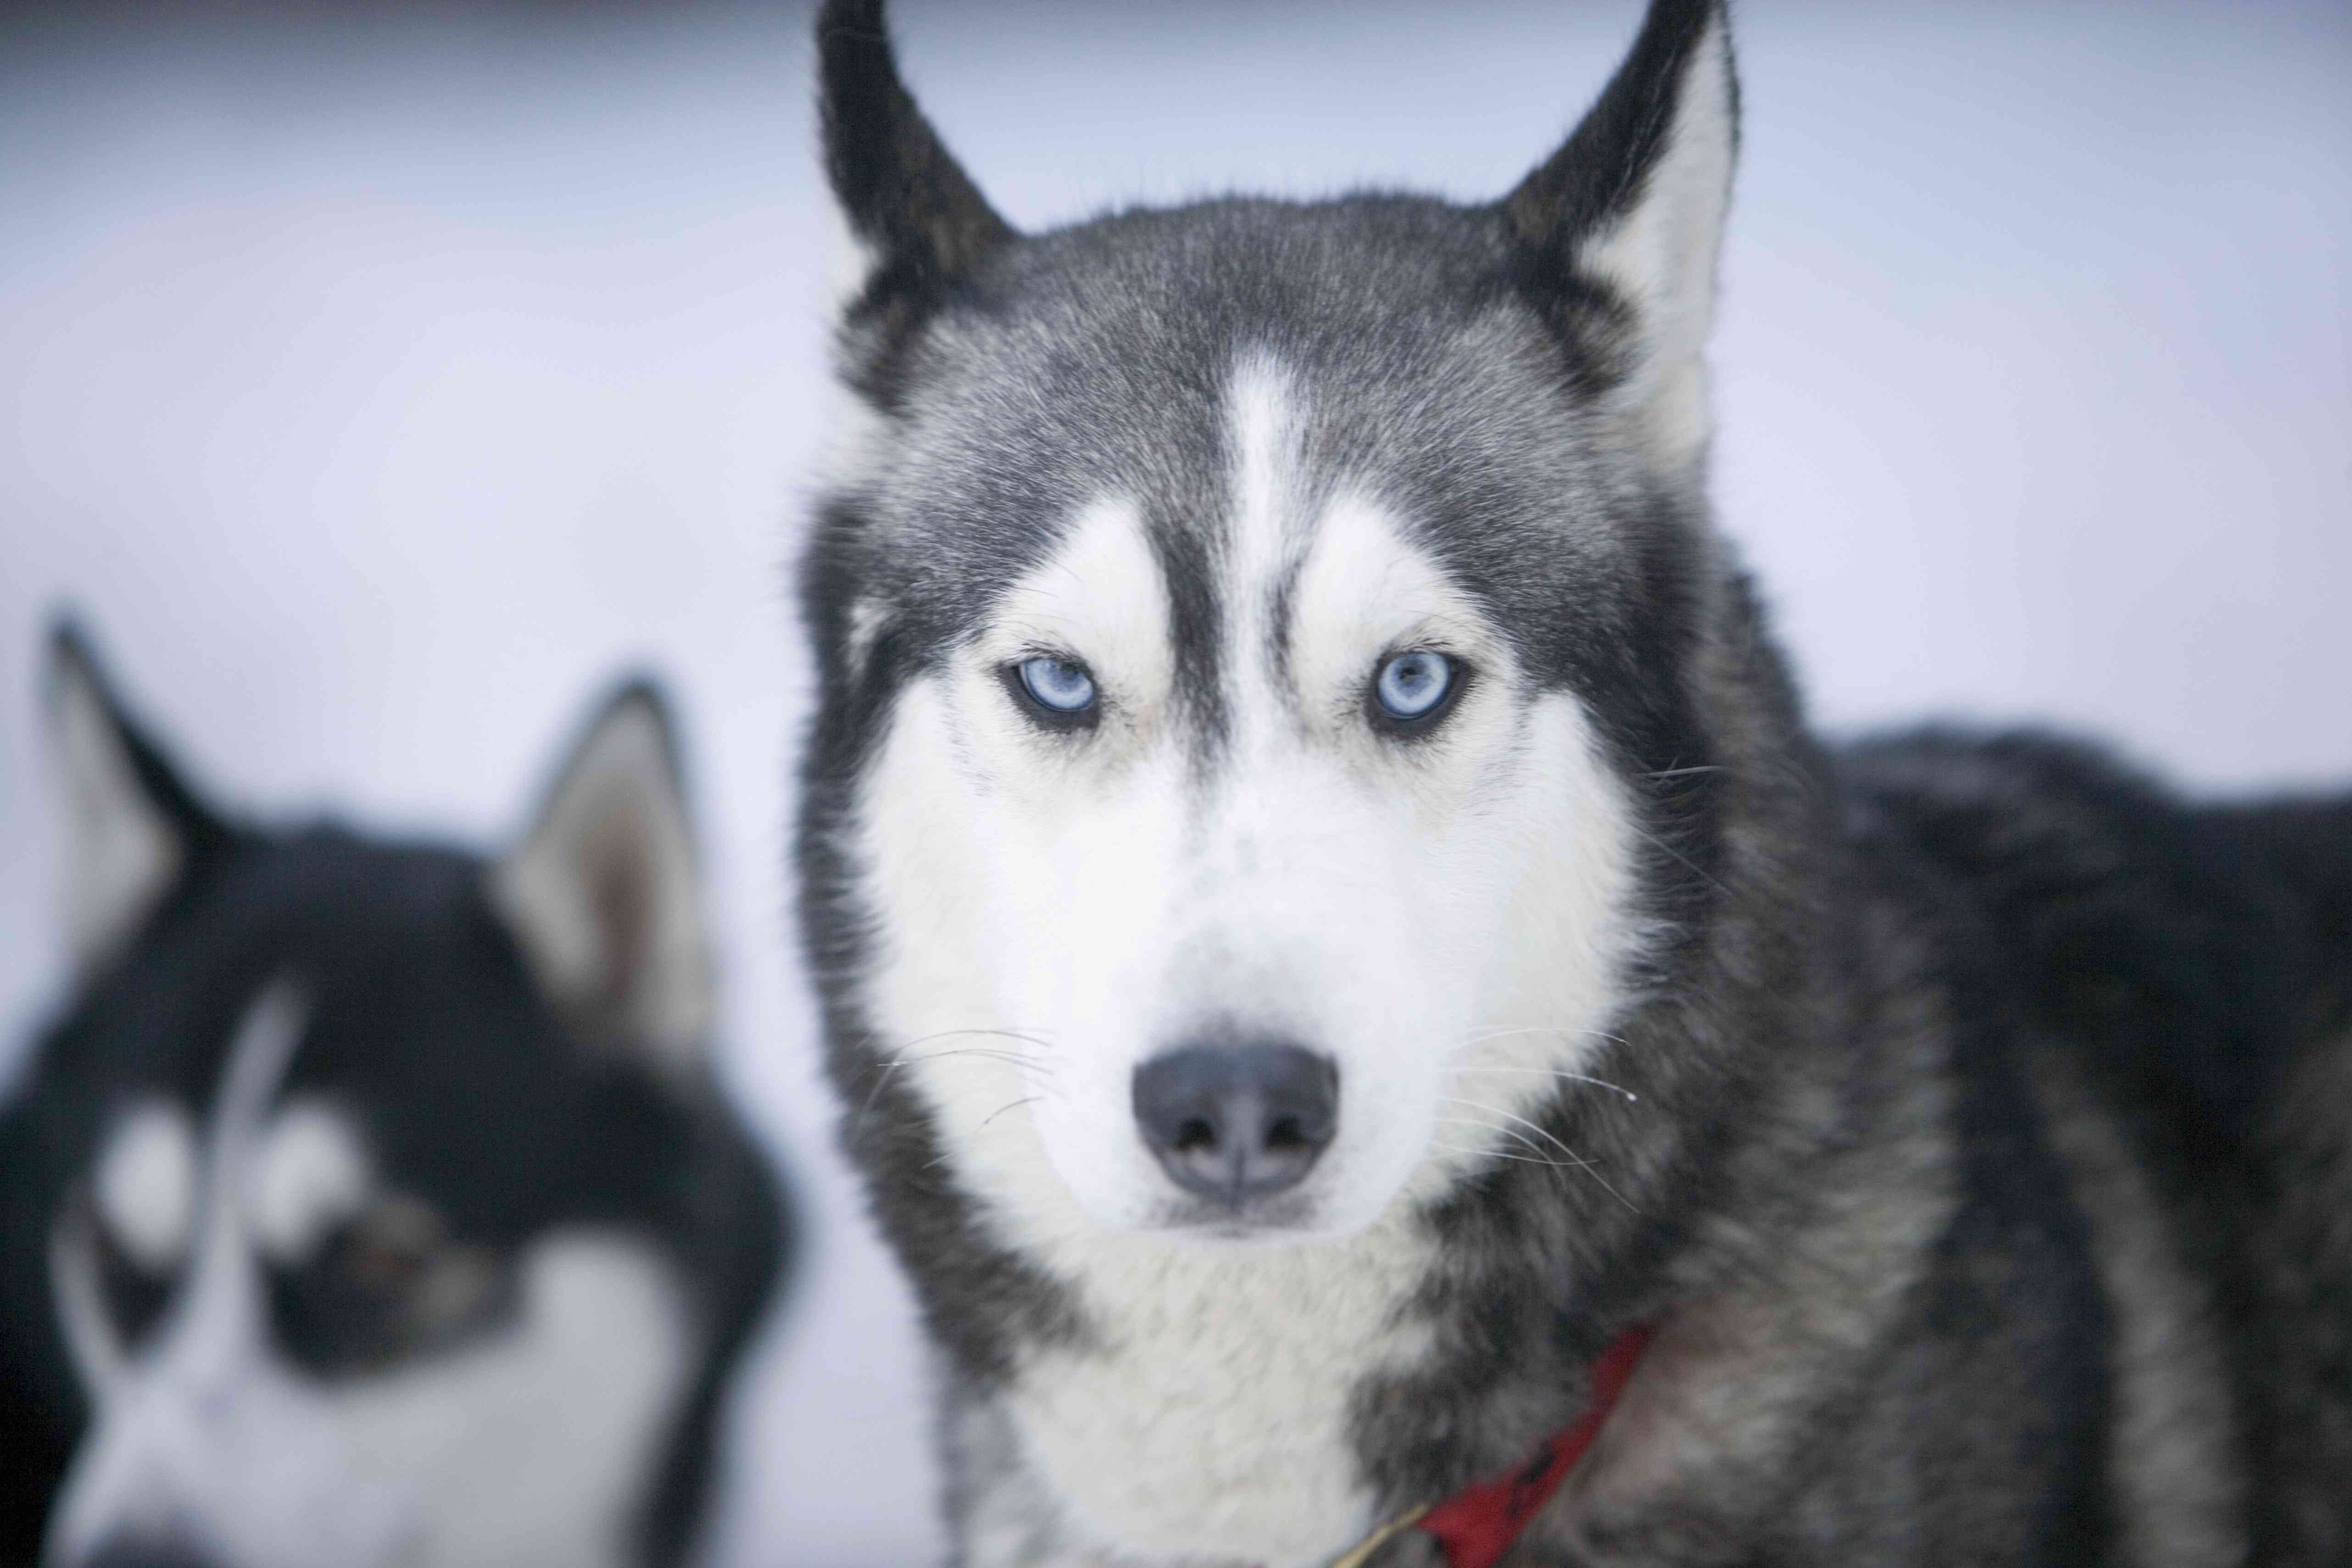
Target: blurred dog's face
{"points": [[296, 1351], [365, 1253]]}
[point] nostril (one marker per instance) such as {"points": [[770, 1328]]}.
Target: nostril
{"points": [[1237, 1123]]}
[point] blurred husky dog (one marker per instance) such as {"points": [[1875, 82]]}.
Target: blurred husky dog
{"points": [[370, 1203], [1330, 918]]}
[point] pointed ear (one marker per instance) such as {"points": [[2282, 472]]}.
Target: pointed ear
{"points": [[130, 827], [919, 220], [1619, 230], [603, 892]]}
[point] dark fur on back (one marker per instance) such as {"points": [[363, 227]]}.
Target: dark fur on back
{"points": [[2199, 958]]}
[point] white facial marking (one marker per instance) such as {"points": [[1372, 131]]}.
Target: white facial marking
{"points": [[1441, 917], [310, 1174], [528, 1446], [1266, 531], [145, 1190]]}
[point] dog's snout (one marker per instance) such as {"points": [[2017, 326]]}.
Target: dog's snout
{"points": [[1237, 1123]]}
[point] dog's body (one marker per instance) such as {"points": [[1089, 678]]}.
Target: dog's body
{"points": [[1330, 917], [369, 1203]]}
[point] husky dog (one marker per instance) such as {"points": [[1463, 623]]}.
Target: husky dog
{"points": [[1348, 974], [370, 1203]]}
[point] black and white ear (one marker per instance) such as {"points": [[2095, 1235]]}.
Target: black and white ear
{"points": [[917, 216], [1635, 203], [603, 893], [129, 827]]}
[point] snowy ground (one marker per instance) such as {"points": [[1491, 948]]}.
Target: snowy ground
{"points": [[380, 384]]}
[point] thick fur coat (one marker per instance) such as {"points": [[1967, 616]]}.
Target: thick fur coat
{"points": [[1966, 1115]]}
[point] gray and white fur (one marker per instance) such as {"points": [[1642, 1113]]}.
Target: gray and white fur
{"points": [[1327, 911]]}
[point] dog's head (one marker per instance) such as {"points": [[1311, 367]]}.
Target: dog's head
{"points": [[1253, 642], [375, 1202]]}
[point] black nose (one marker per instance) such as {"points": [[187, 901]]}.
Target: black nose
{"points": [[1237, 1123]]}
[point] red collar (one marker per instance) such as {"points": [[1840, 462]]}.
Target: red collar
{"points": [[1478, 1524]]}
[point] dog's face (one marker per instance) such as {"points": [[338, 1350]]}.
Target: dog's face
{"points": [[1252, 641], [369, 1248]]}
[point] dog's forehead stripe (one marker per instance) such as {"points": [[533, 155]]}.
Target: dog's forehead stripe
{"points": [[1221, 563], [266, 1039], [1269, 508]]}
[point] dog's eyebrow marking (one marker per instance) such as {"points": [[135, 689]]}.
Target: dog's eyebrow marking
{"points": [[310, 1174], [1100, 595], [145, 1190]]}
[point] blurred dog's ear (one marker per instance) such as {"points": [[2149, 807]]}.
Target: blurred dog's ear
{"points": [[603, 893], [919, 221], [129, 827], [1619, 230]]}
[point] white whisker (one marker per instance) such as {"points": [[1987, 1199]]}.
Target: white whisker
{"points": [[1573, 1157], [1538, 1158], [1688, 864], [1000, 1110], [1027, 1062], [1559, 1073]]}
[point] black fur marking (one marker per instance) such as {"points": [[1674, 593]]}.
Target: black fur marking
{"points": [[135, 1294], [902, 191], [2131, 919], [40, 1407], [1195, 629], [2197, 957]]}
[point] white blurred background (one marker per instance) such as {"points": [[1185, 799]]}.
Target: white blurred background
{"points": [[380, 379]]}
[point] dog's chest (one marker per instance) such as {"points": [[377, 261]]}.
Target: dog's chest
{"points": [[1215, 1421]]}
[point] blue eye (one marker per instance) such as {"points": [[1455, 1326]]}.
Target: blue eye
{"points": [[1413, 685], [1057, 685]]}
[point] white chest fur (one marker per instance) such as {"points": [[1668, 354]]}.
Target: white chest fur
{"points": [[1212, 1421]]}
